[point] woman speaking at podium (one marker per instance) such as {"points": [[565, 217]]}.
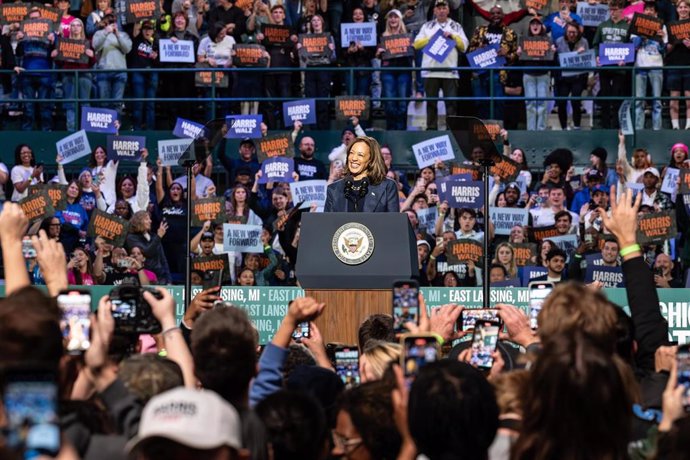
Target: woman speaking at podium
{"points": [[365, 187]]}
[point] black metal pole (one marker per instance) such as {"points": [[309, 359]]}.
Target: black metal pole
{"points": [[188, 259], [486, 165]]}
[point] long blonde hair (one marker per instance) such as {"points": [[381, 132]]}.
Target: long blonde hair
{"points": [[376, 169], [379, 355], [512, 267], [83, 32], [401, 28]]}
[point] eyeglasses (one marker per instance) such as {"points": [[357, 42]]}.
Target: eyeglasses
{"points": [[344, 443], [54, 225]]}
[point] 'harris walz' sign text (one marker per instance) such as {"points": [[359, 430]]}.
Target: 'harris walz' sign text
{"points": [[110, 227], [70, 50], [140, 10], [347, 107]]}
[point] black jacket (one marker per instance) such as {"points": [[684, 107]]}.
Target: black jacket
{"points": [[382, 197]]}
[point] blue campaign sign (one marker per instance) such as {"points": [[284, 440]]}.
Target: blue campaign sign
{"points": [[303, 110], [96, 120], [613, 53], [439, 47], [486, 57], [125, 148], [610, 276], [187, 128], [460, 193], [243, 126], [278, 169], [530, 272]]}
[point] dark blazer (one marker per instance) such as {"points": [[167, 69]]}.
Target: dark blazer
{"points": [[380, 198]]}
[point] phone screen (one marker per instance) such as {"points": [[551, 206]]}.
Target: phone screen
{"points": [[470, 316], [538, 292], [76, 321], [683, 358], [347, 365], [30, 402], [123, 309], [28, 250], [484, 342], [301, 331], [213, 278], [418, 351], [405, 305]]}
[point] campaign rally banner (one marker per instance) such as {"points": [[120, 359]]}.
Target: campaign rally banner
{"points": [[73, 147], [249, 56], [684, 186], [363, 33], [669, 184], [37, 207], [211, 263], [636, 187], [303, 110], [48, 12], [487, 130], [170, 151], [678, 30], [110, 227], [439, 47], [613, 53], [140, 10], [309, 192], [567, 243], [470, 170], [56, 192], [243, 126], [529, 272], [13, 12], [347, 107], [277, 169], [506, 169], [96, 120], [432, 150], [575, 60], [187, 128], [611, 276], [536, 49], [536, 5], [504, 219], [275, 145], [204, 209], [242, 238], [125, 148], [37, 29], [397, 46], [625, 118], [657, 227], [275, 34], [315, 45], [646, 26], [72, 50], [544, 233], [486, 57], [509, 283], [178, 51], [208, 78], [525, 253], [592, 15], [464, 251], [427, 218], [460, 193]]}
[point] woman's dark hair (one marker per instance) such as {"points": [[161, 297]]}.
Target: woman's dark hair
{"points": [[78, 279], [454, 276], [186, 20], [500, 194], [574, 26], [572, 380], [296, 425], [233, 201], [452, 409], [92, 157], [541, 261], [18, 155], [246, 269], [215, 29], [76, 182], [523, 166], [45, 224], [376, 169], [130, 211], [121, 180], [371, 410], [541, 32]]}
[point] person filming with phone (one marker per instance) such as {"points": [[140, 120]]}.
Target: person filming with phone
{"points": [[365, 187]]}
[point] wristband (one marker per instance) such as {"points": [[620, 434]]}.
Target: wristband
{"points": [[170, 329], [630, 249]]}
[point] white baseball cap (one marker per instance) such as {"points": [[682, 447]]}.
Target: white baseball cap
{"points": [[653, 171], [196, 419]]}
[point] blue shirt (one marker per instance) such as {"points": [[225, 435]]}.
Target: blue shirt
{"points": [[556, 28]]}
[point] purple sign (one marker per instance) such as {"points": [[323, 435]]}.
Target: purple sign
{"points": [[278, 169], [530, 272], [243, 126], [303, 110], [98, 120], [187, 128], [612, 277], [461, 193], [125, 148], [613, 53], [439, 47], [486, 57]]}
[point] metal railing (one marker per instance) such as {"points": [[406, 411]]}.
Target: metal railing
{"points": [[349, 74]]}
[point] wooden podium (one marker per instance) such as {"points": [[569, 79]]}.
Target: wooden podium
{"points": [[346, 309], [353, 291]]}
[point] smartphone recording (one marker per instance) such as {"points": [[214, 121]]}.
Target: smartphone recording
{"points": [[484, 343], [418, 351], [469, 317], [347, 365], [405, 305], [76, 320]]}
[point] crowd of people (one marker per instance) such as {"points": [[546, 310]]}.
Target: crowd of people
{"points": [[130, 52], [207, 390]]}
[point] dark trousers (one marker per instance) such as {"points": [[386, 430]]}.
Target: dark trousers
{"points": [[570, 86], [613, 83], [431, 88], [318, 84]]}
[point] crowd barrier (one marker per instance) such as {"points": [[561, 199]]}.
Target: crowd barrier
{"points": [[266, 306]]}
